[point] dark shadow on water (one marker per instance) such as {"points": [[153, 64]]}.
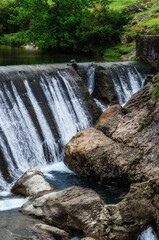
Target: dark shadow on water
{"points": [[18, 55], [63, 180]]}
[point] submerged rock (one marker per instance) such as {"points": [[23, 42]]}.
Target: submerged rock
{"points": [[31, 183]]}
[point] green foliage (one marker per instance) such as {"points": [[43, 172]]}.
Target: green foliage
{"points": [[132, 58], [102, 28], [143, 125], [81, 25], [5, 11], [50, 25], [119, 49]]}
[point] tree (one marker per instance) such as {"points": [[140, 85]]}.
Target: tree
{"points": [[55, 24], [72, 25], [102, 28]]}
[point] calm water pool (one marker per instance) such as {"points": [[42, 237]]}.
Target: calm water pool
{"points": [[20, 55]]}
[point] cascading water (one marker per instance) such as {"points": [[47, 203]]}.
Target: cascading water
{"points": [[71, 117], [28, 136], [42, 108], [127, 77], [87, 72], [148, 234]]}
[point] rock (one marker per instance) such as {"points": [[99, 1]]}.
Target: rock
{"points": [[135, 9], [109, 119], [138, 210], [104, 87], [93, 155], [128, 150], [31, 183], [87, 238], [75, 209], [52, 230], [147, 49]]}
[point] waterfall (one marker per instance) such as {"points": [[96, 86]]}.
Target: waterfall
{"points": [[46, 131], [69, 116], [20, 143], [87, 72], [127, 77], [41, 109], [148, 234], [102, 106]]}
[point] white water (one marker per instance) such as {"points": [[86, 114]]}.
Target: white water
{"points": [[9, 201], [69, 116], [102, 106], [20, 141], [19, 138], [47, 133], [127, 79], [89, 70], [91, 74], [12, 203], [148, 234], [60, 167]]}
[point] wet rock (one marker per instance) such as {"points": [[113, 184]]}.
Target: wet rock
{"points": [[31, 183], [136, 212], [104, 87], [74, 209]]}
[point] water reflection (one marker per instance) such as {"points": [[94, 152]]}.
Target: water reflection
{"points": [[21, 55]]}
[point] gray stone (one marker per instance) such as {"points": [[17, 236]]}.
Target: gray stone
{"points": [[52, 230], [31, 183], [75, 208], [147, 49]]}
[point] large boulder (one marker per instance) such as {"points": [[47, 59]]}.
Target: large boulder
{"points": [[74, 209], [94, 155], [82, 213], [31, 183]]}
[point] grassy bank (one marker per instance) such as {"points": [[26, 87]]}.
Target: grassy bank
{"points": [[144, 22]]}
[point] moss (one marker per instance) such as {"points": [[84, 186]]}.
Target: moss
{"points": [[119, 50], [132, 58]]}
